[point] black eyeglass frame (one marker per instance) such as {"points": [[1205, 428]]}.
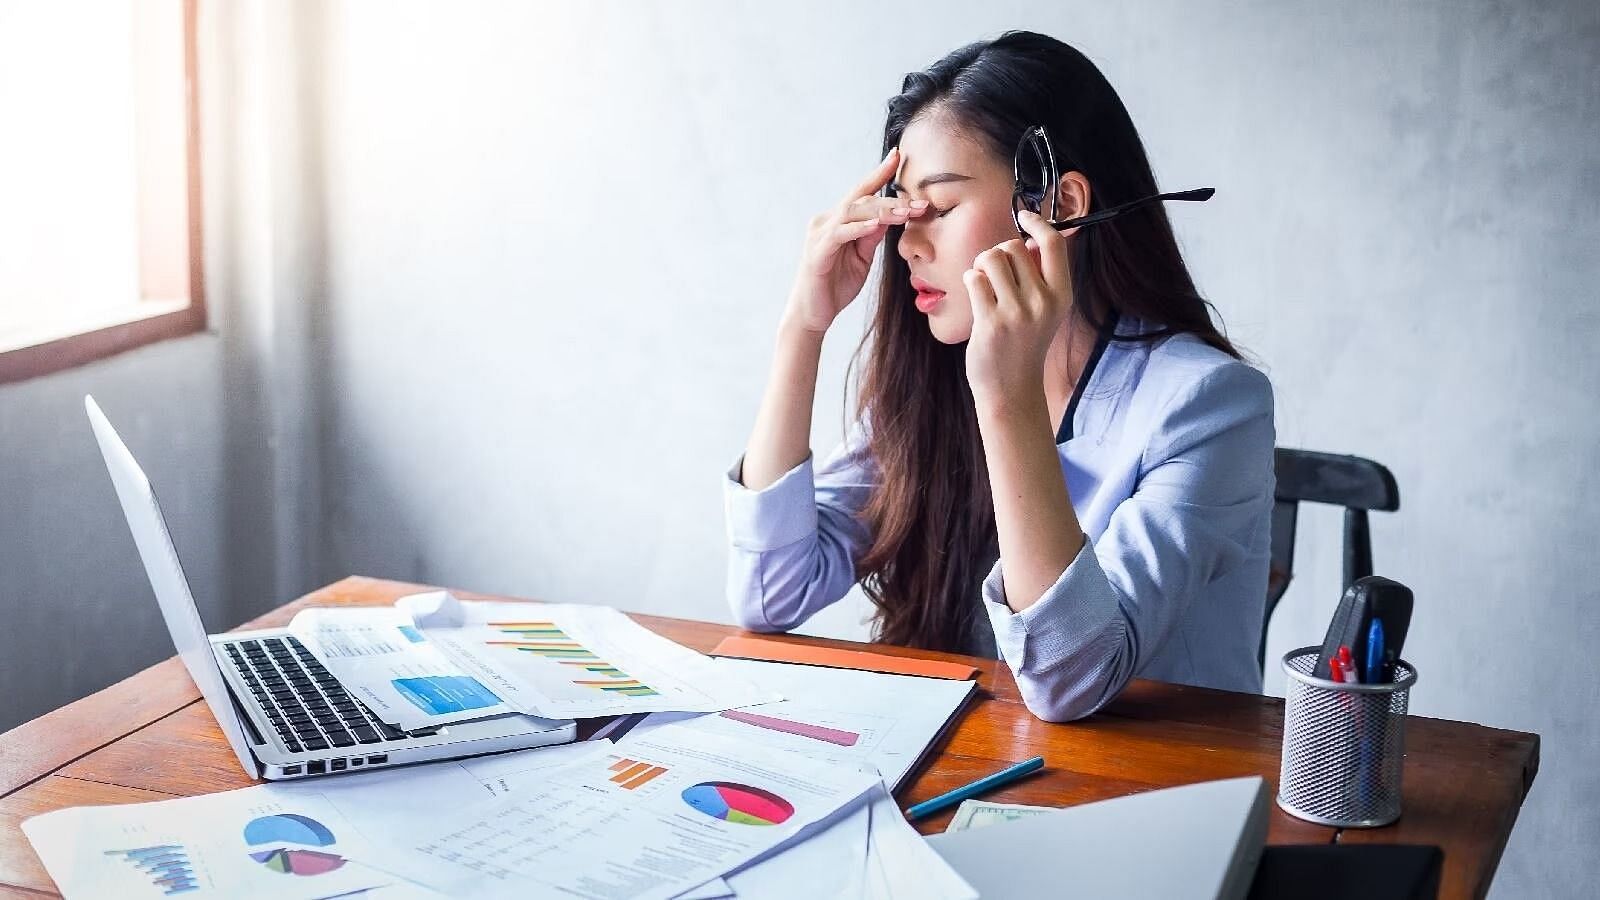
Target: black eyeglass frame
{"points": [[1050, 179]]}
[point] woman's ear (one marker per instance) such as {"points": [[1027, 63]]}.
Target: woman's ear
{"points": [[1073, 195]]}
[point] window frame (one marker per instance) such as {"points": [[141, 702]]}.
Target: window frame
{"points": [[85, 347]]}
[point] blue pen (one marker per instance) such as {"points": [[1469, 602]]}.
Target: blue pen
{"points": [[1375, 673], [1003, 777]]}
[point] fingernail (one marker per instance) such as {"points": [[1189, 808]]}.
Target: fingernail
{"points": [[900, 210], [919, 204]]}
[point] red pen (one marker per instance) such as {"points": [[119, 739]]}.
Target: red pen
{"points": [[1347, 665], [1335, 669]]}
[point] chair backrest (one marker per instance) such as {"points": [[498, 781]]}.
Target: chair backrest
{"points": [[1306, 476]]}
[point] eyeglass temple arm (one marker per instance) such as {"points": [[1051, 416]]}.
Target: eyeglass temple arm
{"points": [[1105, 214]]}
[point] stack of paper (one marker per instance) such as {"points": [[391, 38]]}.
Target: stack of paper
{"points": [[739, 778], [669, 813], [433, 660]]}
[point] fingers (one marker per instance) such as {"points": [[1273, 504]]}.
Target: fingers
{"points": [[981, 292], [889, 210], [997, 266], [846, 232], [878, 178], [1030, 285], [1052, 247]]}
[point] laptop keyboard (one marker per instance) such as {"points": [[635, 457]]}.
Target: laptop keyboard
{"points": [[304, 702]]}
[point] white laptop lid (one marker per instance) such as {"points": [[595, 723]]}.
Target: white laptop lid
{"points": [[166, 577], [1196, 841]]}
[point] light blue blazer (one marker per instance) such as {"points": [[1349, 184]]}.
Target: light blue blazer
{"points": [[1170, 470]]}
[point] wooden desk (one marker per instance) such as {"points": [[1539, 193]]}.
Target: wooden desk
{"points": [[151, 738]]}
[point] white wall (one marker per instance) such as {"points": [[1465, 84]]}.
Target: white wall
{"points": [[558, 237]]}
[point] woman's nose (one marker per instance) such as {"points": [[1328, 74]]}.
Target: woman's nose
{"points": [[913, 242]]}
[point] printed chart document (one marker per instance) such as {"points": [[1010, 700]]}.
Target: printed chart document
{"points": [[663, 815], [247, 843], [380, 656], [566, 661], [837, 715], [313, 838]]}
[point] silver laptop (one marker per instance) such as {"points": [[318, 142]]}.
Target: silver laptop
{"points": [[283, 713]]}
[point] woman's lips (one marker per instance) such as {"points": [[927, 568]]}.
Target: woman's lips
{"points": [[928, 300]]}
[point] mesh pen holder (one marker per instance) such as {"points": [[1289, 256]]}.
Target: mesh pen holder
{"points": [[1342, 745]]}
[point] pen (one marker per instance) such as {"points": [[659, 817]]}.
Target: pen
{"points": [[1375, 668], [1348, 666], [1003, 777]]}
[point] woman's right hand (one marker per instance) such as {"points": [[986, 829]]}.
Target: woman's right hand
{"points": [[840, 244]]}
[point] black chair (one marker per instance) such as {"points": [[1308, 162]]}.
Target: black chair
{"points": [[1305, 476]]}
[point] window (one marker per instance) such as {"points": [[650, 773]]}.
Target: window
{"points": [[99, 181]]}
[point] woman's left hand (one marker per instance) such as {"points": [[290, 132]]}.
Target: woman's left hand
{"points": [[1021, 292]]}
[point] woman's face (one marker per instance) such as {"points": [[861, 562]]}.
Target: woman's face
{"points": [[968, 191]]}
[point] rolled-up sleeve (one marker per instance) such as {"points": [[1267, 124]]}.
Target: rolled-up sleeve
{"points": [[1204, 490], [792, 546]]}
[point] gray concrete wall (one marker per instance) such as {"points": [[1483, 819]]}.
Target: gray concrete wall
{"points": [[77, 611]]}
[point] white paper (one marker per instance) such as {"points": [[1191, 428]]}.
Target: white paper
{"points": [[504, 773], [822, 864], [247, 843], [366, 814], [669, 813], [867, 851], [565, 661], [900, 865], [837, 715], [715, 889], [381, 658]]}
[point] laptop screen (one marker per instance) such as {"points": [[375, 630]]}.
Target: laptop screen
{"points": [[166, 577]]}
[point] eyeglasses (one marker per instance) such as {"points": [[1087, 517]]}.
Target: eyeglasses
{"points": [[1036, 176]]}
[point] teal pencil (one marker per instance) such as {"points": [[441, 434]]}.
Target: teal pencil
{"points": [[989, 782]]}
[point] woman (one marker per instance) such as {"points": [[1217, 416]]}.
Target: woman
{"points": [[1056, 455]]}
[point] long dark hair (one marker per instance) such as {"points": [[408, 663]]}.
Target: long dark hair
{"points": [[931, 512]]}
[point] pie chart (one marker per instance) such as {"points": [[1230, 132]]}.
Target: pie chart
{"points": [[270, 833], [739, 803]]}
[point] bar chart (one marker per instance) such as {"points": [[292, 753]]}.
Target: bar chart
{"points": [[547, 640], [167, 866], [630, 774]]}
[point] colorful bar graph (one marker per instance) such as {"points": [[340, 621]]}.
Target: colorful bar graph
{"points": [[547, 640], [597, 668], [630, 774], [167, 866], [789, 726]]}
